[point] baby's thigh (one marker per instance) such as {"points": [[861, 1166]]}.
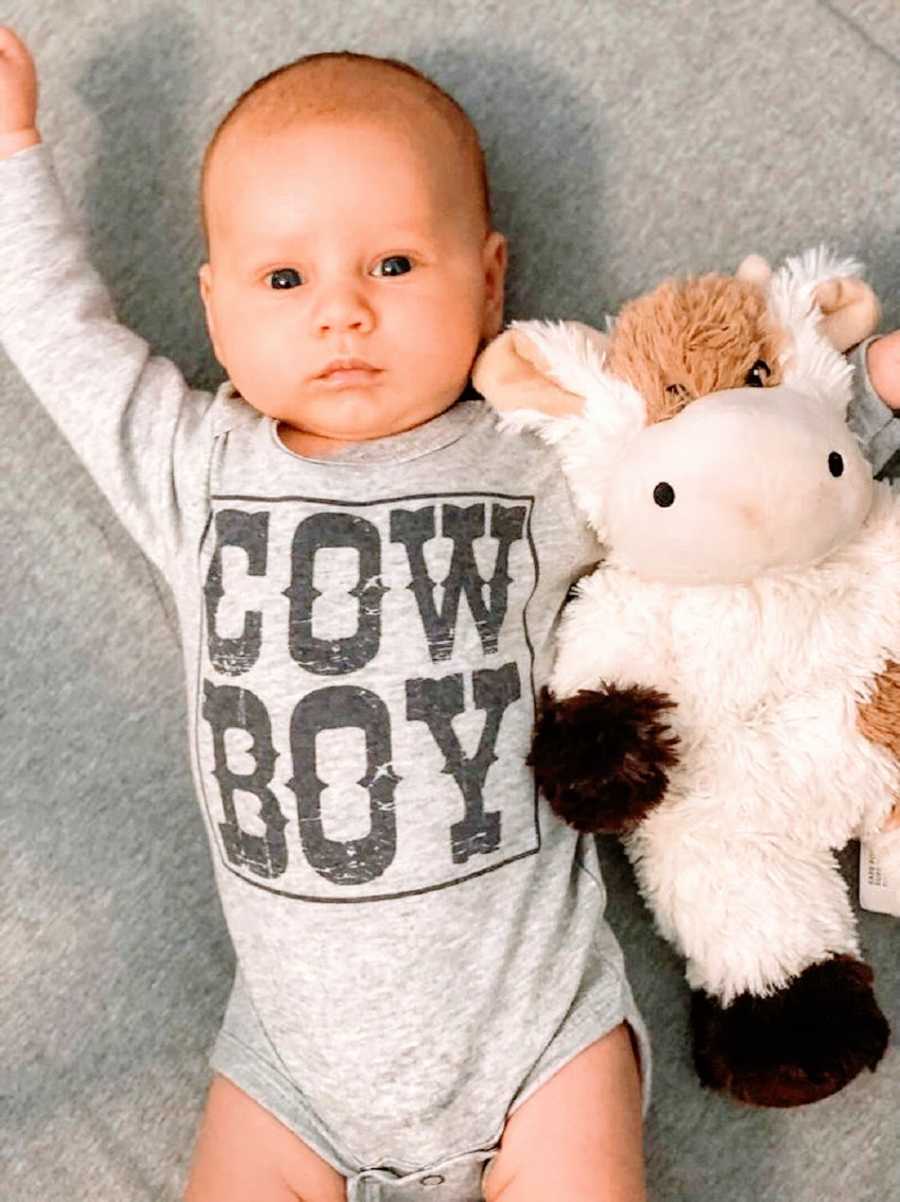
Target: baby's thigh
{"points": [[244, 1154], [579, 1137]]}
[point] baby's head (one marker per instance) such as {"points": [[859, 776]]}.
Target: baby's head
{"points": [[347, 217]]}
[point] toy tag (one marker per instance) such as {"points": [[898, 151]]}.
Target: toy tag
{"points": [[876, 892]]}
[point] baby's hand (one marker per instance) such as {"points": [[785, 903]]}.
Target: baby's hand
{"points": [[883, 363], [18, 95]]}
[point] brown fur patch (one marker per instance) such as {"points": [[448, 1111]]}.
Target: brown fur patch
{"points": [[802, 1044], [879, 717], [691, 337], [601, 757], [879, 720]]}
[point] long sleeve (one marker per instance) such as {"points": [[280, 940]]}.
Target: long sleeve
{"points": [[873, 423], [130, 416]]}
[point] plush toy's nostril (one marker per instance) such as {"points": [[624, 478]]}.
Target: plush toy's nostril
{"points": [[836, 464], [664, 495]]}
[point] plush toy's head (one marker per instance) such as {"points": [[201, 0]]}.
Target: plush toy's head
{"points": [[706, 437]]}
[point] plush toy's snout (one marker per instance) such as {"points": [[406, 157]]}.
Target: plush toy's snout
{"points": [[741, 482]]}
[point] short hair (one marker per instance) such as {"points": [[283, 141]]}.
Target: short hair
{"points": [[277, 100]]}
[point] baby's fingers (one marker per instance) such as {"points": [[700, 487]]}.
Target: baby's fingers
{"points": [[18, 89], [16, 62], [883, 361], [12, 46]]}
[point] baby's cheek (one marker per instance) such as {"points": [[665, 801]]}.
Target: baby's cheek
{"points": [[266, 373], [274, 355]]}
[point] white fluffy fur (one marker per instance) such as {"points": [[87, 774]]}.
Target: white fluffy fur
{"points": [[590, 443], [736, 863], [809, 362]]}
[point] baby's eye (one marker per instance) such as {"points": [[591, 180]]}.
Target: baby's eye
{"points": [[285, 277], [393, 265]]}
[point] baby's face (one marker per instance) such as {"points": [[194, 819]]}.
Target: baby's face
{"points": [[348, 242]]}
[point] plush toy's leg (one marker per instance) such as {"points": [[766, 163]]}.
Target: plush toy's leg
{"points": [[600, 757], [798, 1045]]}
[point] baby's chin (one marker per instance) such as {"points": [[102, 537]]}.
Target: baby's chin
{"points": [[349, 418]]}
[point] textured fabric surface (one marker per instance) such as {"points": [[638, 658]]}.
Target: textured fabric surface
{"points": [[626, 140]]}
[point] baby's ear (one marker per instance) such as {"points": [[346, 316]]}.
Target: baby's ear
{"points": [[204, 279], [850, 310], [511, 373]]}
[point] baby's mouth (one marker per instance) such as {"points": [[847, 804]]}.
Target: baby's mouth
{"points": [[354, 378], [348, 370]]}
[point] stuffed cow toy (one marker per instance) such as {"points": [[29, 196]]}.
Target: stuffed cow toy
{"points": [[726, 695]]}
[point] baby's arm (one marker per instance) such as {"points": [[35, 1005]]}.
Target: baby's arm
{"points": [[876, 398], [129, 415]]}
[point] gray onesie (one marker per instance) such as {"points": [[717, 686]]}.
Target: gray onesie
{"points": [[420, 942]]}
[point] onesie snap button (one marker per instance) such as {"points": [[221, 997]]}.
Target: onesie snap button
{"points": [[433, 1179]]}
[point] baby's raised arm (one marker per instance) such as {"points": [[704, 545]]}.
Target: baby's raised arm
{"points": [[139, 429]]}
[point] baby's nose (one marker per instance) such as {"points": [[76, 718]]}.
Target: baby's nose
{"points": [[344, 308]]}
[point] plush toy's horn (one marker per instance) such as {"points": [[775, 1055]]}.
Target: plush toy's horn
{"points": [[754, 270], [850, 310]]}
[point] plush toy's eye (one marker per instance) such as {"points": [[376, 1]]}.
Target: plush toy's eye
{"points": [[836, 464], [664, 495], [758, 374]]}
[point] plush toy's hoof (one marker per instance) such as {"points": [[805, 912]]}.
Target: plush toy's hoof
{"points": [[600, 758], [799, 1045]]}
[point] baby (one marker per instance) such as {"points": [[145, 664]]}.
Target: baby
{"points": [[428, 1000]]}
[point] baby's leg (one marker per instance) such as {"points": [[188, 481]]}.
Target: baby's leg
{"points": [[244, 1154], [579, 1137]]}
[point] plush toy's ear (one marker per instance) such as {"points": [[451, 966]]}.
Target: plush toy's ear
{"points": [[548, 377], [850, 310], [512, 373], [819, 300]]}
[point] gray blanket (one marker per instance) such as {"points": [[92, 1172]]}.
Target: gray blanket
{"points": [[627, 139]]}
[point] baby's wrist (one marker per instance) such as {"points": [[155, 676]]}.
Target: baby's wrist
{"points": [[15, 140]]}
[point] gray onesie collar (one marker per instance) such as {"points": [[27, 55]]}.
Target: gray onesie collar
{"points": [[433, 435]]}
